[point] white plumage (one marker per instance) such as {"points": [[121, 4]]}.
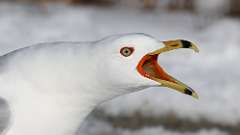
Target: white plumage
{"points": [[51, 87]]}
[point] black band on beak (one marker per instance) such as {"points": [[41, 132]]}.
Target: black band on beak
{"points": [[186, 44], [188, 92]]}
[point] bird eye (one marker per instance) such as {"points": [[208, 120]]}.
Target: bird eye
{"points": [[126, 51]]}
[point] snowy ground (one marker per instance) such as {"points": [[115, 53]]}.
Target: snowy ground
{"points": [[213, 72], [102, 128]]}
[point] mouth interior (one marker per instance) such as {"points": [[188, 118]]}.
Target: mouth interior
{"points": [[149, 67]]}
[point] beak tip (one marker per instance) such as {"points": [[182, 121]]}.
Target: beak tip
{"points": [[195, 95], [195, 49]]}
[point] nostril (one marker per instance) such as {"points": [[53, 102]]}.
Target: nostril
{"points": [[174, 45]]}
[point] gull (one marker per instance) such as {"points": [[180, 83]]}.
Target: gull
{"points": [[51, 87]]}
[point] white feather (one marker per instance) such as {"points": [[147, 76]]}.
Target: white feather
{"points": [[51, 87]]}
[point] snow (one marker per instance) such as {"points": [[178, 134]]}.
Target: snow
{"points": [[157, 131], [212, 7], [213, 73], [102, 128]]}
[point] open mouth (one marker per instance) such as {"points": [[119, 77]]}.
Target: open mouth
{"points": [[148, 67]]}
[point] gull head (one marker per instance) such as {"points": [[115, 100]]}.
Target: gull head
{"points": [[131, 62]]}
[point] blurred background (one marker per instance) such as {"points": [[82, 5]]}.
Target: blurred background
{"points": [[214, 73]]}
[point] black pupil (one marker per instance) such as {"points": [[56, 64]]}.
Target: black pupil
{"points": [[126, 51]]}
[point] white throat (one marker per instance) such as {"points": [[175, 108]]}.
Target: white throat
{"points": [[51, 100]]}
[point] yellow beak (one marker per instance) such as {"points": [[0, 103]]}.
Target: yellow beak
{"points": [[175, 84], [149, 67], [175, 44]]}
